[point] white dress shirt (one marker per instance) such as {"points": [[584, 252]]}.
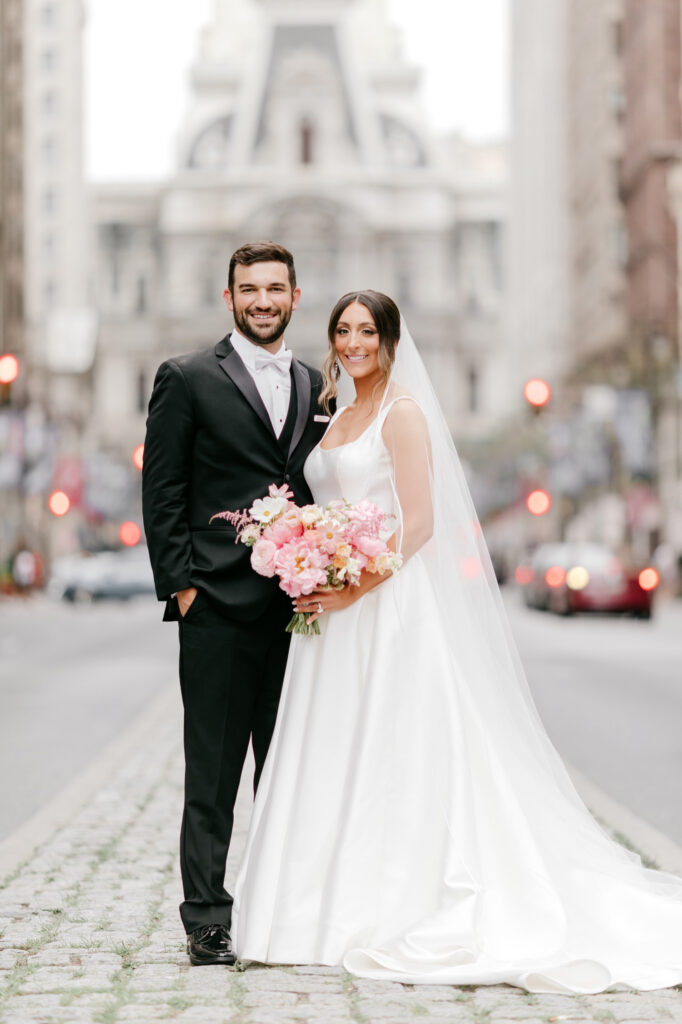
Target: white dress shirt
{"points": [[270, 375]]}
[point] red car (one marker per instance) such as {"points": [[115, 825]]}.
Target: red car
{"points": [[567, 578]]}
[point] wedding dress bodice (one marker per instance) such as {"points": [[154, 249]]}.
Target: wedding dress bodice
{"points": [[360, 470]]}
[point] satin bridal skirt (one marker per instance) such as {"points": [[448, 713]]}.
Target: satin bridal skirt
{"points": [[403, 834]]}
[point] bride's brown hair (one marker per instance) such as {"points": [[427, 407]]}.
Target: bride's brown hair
{"points": [[386, 316]]}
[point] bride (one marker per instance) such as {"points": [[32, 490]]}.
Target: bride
{"points": [[413, 821]]}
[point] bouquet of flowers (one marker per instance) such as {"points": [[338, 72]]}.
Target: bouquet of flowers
{"points": [[310, 547]]}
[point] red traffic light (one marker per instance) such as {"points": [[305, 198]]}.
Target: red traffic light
{"points": [[538, 502], [130, 534], [537, 392], [9, 368], [138, 456], [59, 503]]}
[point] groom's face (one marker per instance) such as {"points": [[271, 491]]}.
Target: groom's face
{"points": [[261, 301]]}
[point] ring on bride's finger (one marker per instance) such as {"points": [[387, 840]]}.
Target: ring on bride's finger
{"points": [[320, 609]]}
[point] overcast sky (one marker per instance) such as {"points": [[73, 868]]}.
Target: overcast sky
{"points": [[138, 53]]}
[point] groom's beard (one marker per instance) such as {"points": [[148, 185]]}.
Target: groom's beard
{"points": [[262, 334]]}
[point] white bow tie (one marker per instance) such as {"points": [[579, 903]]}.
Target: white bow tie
{"points": [[281, 361]]}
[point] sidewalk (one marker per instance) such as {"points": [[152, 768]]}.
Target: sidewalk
{"points": [[90, 932]]}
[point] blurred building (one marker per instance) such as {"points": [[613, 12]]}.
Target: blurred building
{"points": [[11, 272], [597, 109], [59, 322], [653, 146], [305, 126], [11, 178], [538, 293], [595, 125]]}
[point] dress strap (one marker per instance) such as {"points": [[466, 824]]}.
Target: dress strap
{"points": [[387, 408]]}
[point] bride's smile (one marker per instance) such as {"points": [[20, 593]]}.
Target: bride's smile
{"points": [[356, 341]]}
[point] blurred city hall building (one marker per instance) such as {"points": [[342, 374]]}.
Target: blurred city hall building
{"points": [[305, 127]]}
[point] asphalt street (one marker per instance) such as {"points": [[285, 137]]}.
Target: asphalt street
{"points": [[72, 678], [609, 690]]}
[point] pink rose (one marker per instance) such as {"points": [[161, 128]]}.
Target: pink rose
{"points": [[263, 555]]}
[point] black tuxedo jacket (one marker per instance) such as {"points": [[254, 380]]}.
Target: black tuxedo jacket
{"points": [[210, 446]]}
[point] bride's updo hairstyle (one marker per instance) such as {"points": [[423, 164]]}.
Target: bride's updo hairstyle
{"points": [[386, 316]]}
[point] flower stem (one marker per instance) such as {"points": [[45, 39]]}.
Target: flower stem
{"points": [[300, 624]]}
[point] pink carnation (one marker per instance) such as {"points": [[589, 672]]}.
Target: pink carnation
{"points": [[263, 555], [301, 568]]}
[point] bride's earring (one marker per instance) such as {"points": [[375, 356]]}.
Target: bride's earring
{"points": [[336, 369]]}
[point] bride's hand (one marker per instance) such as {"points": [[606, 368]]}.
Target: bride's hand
{"points": [[321, 601]]}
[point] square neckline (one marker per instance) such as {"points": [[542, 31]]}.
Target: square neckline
{"points": [[383, 410]]}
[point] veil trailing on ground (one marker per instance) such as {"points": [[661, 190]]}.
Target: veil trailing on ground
{"points": [[530, 849]]}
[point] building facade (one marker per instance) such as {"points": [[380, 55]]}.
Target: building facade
{"points": [[305, 126], [60, 330], [12, 337], [653, 148]]}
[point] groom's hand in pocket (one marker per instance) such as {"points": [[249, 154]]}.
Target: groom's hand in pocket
{"points": [[185, 599]]}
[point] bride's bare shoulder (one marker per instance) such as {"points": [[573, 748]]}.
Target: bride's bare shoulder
{"points": [[404, 411]]}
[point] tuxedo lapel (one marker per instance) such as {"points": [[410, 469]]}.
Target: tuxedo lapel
{"points": [[303, 388], [232, 365]]}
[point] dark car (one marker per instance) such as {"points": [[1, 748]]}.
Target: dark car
{"points": [[568, 578]]}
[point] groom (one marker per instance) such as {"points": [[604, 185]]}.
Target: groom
{"points": [[225, 423]]}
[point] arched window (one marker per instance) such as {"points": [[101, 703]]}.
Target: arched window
{"points": [[307, 134]]}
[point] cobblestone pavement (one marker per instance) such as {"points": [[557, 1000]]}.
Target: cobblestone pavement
{"points": [[89, 932]]}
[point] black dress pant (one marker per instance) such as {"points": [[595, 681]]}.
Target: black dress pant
{"points": [[231, 678]]}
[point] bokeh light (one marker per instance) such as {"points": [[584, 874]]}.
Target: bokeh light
{"points": [[524, 575], [471, 567], [9, 368], [649, 579], [59, 503], [138, 456], [577, 578], [555, 576], [537, 392], [130, 534], [538, 502]]}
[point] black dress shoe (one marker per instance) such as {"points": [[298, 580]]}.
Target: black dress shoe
{"points": [[210, 944]]}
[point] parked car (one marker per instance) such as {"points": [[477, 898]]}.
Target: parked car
{"points": [[107, 574], [568, 578]]}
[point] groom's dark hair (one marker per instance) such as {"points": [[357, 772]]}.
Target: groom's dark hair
{"points": [[261, 252]]}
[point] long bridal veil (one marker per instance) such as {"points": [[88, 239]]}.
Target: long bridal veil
{"points": [[539, 873]]}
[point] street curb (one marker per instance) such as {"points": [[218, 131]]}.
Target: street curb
{"points": [[60, 809], [643, 837]]}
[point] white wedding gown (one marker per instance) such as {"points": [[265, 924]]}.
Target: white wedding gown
{"points": [[395, 834]]}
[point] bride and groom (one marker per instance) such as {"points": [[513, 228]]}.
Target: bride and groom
{"points": [[412, 820]]}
